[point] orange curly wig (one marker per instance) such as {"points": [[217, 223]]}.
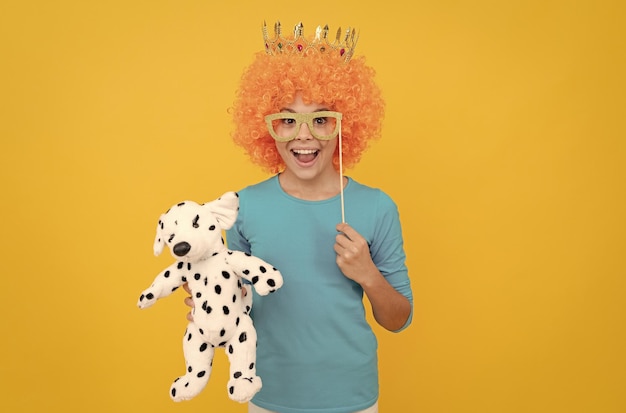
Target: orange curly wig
{"points": [[271, 83]]}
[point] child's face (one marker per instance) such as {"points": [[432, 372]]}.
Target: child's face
{"points": [[306, 156]]}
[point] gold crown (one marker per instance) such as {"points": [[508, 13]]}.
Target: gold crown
{"points": [[320, 43]]}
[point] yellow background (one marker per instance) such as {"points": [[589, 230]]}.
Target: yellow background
{"points": [[503, 147]]}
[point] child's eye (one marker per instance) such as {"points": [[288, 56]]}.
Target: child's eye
{"points": [[320, 121]]}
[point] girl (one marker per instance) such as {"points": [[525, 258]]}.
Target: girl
{"points": [[297, 100]]}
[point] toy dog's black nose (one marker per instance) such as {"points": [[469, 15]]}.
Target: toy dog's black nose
{"points": [[181, 249]]}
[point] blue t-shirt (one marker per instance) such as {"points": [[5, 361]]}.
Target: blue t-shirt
{"points": [[316, 352]]}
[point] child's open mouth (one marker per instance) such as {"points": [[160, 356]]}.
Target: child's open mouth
{"points": [[305, 155]]}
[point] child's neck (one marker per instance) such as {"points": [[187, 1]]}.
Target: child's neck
{"points": [[317, 189]]}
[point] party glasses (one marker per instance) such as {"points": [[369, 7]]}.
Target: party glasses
{"points": [[284, 126]]}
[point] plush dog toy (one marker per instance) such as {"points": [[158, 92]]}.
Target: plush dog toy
{"points": [[214, 274]]}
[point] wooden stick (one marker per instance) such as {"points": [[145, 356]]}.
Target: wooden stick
{"points": [[343, 212]]}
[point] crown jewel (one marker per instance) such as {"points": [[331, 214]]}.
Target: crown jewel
{"points": [[320, 43]]}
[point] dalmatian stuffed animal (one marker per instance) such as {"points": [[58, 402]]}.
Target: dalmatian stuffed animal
{"points": [[214, 275]]}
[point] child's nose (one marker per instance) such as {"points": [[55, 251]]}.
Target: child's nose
{"points": [[304, 132]]}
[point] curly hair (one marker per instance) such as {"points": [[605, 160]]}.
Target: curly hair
{"points": [[271, 82]]}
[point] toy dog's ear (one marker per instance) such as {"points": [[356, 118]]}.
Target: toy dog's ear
{"points": [[225, 209], [159, 242]]}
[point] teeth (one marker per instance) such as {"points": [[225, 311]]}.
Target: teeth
{"points": [[304, 151]]}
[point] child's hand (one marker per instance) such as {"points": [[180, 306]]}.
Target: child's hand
{"points": [[353, 255], [189, 301]]}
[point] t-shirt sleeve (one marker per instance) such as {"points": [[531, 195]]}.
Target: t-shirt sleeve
{"points": [[387, 250]]}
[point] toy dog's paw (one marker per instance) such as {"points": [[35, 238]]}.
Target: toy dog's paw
{"points": [[243, 389], [269, 283], [147, 299], [187, 387]]}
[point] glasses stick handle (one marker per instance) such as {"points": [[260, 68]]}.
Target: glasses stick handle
{"points": [[343, 213]]}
